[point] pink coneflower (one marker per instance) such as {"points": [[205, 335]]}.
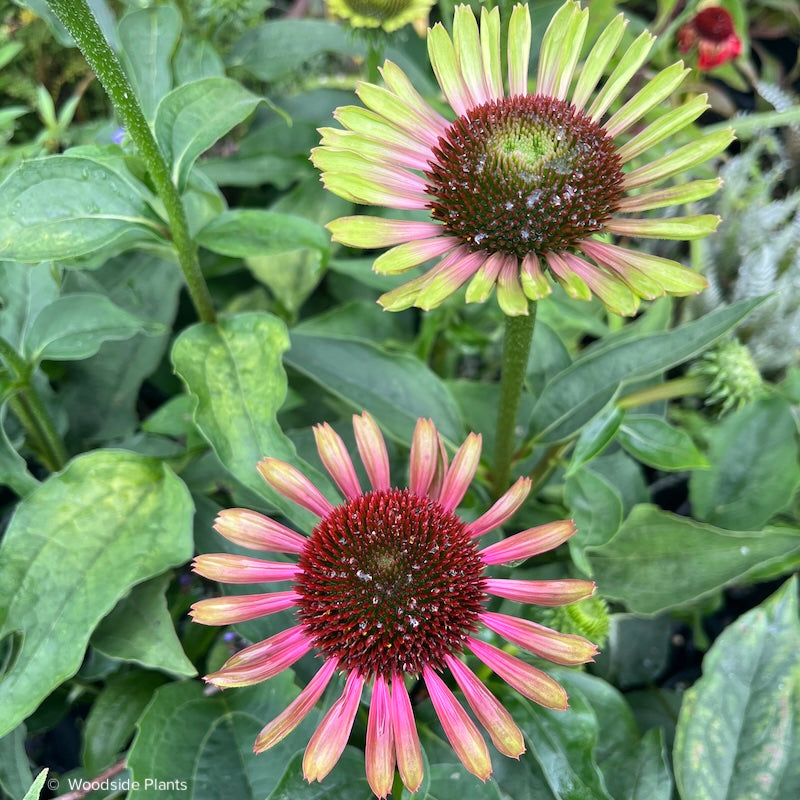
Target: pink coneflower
{"points": [[520, 183], [391, 585], [711, 30]]}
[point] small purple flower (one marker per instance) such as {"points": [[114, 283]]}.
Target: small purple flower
{"points": [[118, 137]]}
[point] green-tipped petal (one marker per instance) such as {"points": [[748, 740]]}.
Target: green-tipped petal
{"points": [[555, 54], [672, 196], [468, 52], [671, 228], [534, 283], [663, 127], [633, 59], [597, 61], [448, 277], [490, 51], [510, 297], [368, 123], [403, 297], [674, 277], [412, 254], [571, 283], [389, 106], [519, 50], [485, 279], [445, 66], [369, 232], [397, 81], [651, 95], [680, 160]]}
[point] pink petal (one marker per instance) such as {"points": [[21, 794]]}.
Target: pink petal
{"points": [[450, 274], [297, 710], [529, 543], [293, 485], [372, 448], [380, 742], [506, 736], [227, 568], [288, 639], [527, 680], [502, 510], [230, 610], [254, 530], [561, 648], [406, 740], [461, 472], [247, 671], [424, 457], [336, 459], [441, 470], [460, 730], [541, 593], [331, 736]]}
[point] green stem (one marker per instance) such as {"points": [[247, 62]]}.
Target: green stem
{"points": [[516, 347], [78, 19], [397, 787], [374, 57], [678, 387], [31, 411], [548, 462]]}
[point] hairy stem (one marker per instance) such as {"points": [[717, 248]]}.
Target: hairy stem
{"points": [[78, 19], [516, 347]]}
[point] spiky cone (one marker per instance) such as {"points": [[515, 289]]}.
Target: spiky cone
{"points": [[390, 15], [520, 184], [391, 586]]}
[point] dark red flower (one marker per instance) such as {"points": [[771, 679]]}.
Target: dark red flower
{"points": [[712, 31]]}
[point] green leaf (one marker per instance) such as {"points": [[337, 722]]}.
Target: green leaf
{"points": [[66, 206], [396, 388], [276, 50], [547, 358], [25, 290], [595, 437], [148, 37], [453, 782], [249, 232], [15, 771], [196, 58], [579, 392], [75, 325], [596, 507], [738, 733], [13, 467], [109, 520], [346, 781], [754, 466], [660, 560], [643, 774], [192, 117], [36, 787], [658, 444], [113, 715], [140, 629], [207, 742], [234, 371]]}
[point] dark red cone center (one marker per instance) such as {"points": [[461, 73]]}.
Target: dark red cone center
{"points": [[527, 174], [390, 582]]}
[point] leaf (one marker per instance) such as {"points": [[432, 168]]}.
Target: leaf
{"points": [[15, 771], [196, 58], [36, 787], [548, 357], [453, 782], [396, 388], [25, 290], [739, 728], [185, 736], [13, 467], [66, 206], [113, 715], [596, 508], [109, 520], [595, 437], [580, 391], [660, 560], [249, 232], [75, 325], [346, 781], [658, 444], [754, 466], [234, 371], [140, 629], [643, 774], [276, 50], [148, 37], [192, 117]]}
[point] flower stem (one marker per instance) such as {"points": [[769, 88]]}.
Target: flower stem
{"points": [[31, 411], [678, 387], [516, 347], [374, 57], [78, 19]]}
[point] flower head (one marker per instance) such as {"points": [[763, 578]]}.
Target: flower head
{"points": [[711, 30], [520, 183], [391, 584], [387, 14]]}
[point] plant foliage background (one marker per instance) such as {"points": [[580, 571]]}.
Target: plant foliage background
{"points": [[687, 510]]}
